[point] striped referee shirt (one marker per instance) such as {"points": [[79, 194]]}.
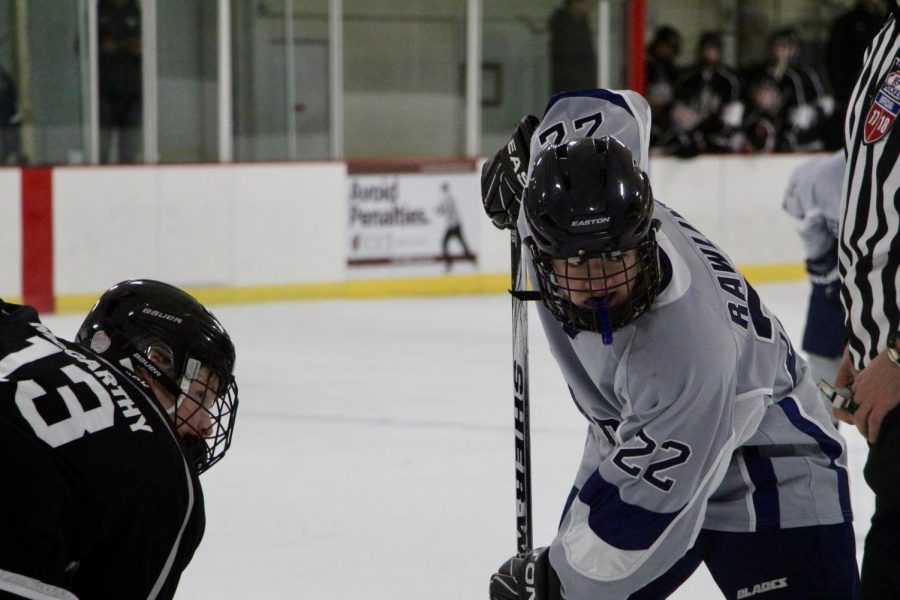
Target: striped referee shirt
{"points": [[870, 223]]}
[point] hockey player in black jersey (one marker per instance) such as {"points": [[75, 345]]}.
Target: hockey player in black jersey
{"points": [[102, 442]]}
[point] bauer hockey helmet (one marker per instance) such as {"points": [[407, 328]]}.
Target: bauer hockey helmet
{"points": [[589, 209], [158, 328]]}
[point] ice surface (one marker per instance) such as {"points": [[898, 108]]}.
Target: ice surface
{"points": [[373, 456]]}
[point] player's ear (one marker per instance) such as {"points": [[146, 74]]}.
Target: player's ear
{"points": [[156, 356]]}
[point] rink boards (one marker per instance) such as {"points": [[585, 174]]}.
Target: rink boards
{"points": [[263, 231]]}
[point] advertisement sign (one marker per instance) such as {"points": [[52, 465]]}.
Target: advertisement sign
{"points": [[412, 224]]}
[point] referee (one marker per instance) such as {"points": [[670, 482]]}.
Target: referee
{"points": [[869, 262]]}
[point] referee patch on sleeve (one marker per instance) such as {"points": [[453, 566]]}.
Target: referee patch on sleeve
{"points": [[885, 106]]}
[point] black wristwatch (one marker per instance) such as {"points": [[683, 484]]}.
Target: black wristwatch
{"points": [[893, 352]]}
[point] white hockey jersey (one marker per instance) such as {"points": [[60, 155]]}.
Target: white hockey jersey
{"points": [[701, 414], [813, 197]]}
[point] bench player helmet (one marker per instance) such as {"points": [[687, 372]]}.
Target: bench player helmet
{"points": [[587, 199], [158, 328]]}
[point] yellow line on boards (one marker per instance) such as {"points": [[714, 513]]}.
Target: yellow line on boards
{"points": [[363, 288], [773, 273], [444, 285]]}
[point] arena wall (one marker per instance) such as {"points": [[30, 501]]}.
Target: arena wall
{"points": [[257, 232]]}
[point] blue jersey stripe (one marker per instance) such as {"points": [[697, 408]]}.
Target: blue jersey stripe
{"points": [[618, 523], [572, 495], [607, 95], [578, 404], [665, 270], [765, 493], [829, 446]]}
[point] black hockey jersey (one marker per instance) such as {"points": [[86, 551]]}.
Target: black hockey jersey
{"points": [[97, 499]]}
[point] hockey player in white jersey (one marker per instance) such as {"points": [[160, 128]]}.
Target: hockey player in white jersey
{"points": [[707, 440], [813, 198]]}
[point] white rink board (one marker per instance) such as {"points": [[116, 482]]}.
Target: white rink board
{"points": [[106, 227], [10, 233], [693, 188], [756, 227], [735, 201], [290, 223], [198, 226], [286, 223]]}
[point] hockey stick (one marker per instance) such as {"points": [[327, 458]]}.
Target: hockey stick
{"points": [[524, 540]]}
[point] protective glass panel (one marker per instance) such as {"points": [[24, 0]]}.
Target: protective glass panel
{"points": [[281, 103], [188, 81], [43, 91], [10, 111], [534, 49], [120, 80], [404, 75], [310, 130]]}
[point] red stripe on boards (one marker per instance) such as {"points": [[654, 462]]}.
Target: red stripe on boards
{"points": [[637, 21], [37, 238]]}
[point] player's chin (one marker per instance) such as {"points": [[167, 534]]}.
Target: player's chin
{"points": [[195, 449]]}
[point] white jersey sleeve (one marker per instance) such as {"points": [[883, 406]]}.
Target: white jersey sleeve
{"points": [[813, 198]]}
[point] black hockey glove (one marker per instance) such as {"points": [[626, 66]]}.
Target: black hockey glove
{"points": [[503, 177], [526, 577], [823, 271]]}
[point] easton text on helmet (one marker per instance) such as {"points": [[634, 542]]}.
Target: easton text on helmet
{"points": [[583, 222]]}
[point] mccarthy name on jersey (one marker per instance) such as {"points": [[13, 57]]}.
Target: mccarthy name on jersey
{"points": [[107, 391]]}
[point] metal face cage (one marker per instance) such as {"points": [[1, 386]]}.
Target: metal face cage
{"points": [[602, 292]]}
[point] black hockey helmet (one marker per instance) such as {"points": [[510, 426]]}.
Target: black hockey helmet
{"points": [[138, 320], [587, 199]]}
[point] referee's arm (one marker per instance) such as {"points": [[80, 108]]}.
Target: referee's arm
{"points": [[870, 236]]}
